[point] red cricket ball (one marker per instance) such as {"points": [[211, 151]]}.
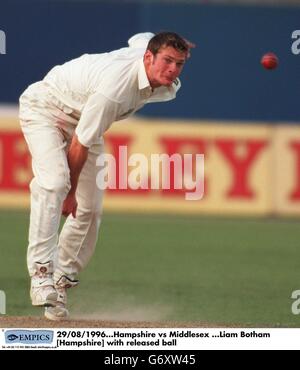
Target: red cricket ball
{"points": [[269, 61]]}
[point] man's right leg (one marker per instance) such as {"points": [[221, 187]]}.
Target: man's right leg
{"points": [[49, 188]]}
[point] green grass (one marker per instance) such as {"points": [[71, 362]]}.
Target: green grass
{"points": [[213, 270]]}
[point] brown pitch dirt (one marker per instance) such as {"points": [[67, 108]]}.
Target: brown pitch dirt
{"points": [[40, 322]]}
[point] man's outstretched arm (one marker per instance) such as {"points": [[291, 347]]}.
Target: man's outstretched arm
{"points": [[97, 116], [140, 40], [77, 157]]}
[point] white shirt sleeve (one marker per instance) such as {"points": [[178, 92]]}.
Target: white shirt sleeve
{"points": [[140, 40], [97, 116]]}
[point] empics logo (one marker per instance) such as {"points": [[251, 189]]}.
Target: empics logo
{"points": [[29, 336], [2, 42], [2, 303], [296, 43]]}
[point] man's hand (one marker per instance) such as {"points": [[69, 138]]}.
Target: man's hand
{"points": [[70, 205]]}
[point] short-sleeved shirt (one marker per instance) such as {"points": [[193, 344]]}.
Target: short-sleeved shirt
{"points": [[106, 87]]}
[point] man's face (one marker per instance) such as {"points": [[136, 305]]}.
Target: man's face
{"points": [[164, 67]]}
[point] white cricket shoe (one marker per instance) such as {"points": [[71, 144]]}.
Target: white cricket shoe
{"points": [[42, 291], [59, 311]]}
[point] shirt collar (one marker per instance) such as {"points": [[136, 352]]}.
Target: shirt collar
{"points": [[142, 76]]}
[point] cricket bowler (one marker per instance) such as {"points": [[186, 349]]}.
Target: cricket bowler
{"points": [[63, 118]]}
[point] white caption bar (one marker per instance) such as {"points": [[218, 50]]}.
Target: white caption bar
{"points": [[151, 339]]}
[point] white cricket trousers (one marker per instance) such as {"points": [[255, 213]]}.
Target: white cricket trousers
{"points": [[72, 249]]}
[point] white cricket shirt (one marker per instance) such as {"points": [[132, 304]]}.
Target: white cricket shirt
{"points": [[108, 87]]}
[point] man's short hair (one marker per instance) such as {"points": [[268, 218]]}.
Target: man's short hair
{"points": [[165, 39]]}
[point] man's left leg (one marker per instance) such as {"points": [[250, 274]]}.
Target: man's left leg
{"points": [[79, 235]]}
